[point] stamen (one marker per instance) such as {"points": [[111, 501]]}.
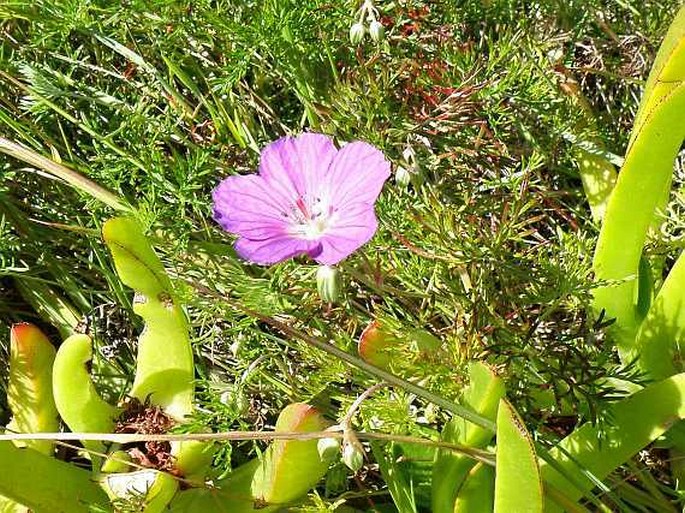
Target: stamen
{"points": [[310, 218], [303, 208]]}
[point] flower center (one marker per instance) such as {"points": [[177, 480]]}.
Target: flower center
{"points": [[309, 219]]}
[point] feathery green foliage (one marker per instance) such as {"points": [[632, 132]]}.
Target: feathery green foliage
{"points": [[488, 249]]}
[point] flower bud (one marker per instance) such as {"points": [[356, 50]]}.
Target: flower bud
{"points": [[329, 449], [377, 31], [353, 455], [328, 283], [402, 177], [357, 33], [409, 155]]}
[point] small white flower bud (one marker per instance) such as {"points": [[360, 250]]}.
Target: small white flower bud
{"points": [[328, 283], [357, 32], [377, 31], [408, 154], [402, 177], [353, 456], [329, 449], [411, 167]]}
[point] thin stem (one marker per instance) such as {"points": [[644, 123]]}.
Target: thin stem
{"points": [[347, 420], [125, 438], [455, 408]]}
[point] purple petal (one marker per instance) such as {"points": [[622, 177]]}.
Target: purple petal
{"points": [[297, 166], [247, 206], [275, 249], [303, 181], [354, 227], [357, 174]]}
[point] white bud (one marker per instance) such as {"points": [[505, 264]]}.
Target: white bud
{"points": [[329, 449], [377, 31], [328, 283], [402, 177], [353, 456], [357, 32]]}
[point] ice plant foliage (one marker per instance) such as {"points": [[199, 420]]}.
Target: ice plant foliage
{"points": [[308, 198]]}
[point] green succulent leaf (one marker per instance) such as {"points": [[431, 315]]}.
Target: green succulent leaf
{"points": [[518, 486], [290, 468], [477, 495], [662, 333], [636, 421], [158, 488], [233, 494], [29, 390], [193, 459], [599, 177], [77, 400], [286, 471], [29, 393], [47, 485], [9, 506], [482, 395], [642, 188], [667, 71], [164, 371]]}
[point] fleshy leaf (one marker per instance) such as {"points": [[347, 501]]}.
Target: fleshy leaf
{"points": [[483, 395], [29, 390], [668, 68], [157, 487], [662, 333], [518, 486], [47, 485], [635, 422], [599, 177], [478, 491], [164, 370], [374, 344], [77, 400], [642, 188], [289, 468], [193, 459]]}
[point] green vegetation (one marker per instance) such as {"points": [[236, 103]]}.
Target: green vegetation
{"points": [[503, 121]]}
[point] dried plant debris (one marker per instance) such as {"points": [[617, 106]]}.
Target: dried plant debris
{"points": [[145, 418]]}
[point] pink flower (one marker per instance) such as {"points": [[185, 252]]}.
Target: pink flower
{"points": [[308, 198]]}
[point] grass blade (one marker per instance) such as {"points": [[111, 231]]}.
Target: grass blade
{"points": [[63, 173]]}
